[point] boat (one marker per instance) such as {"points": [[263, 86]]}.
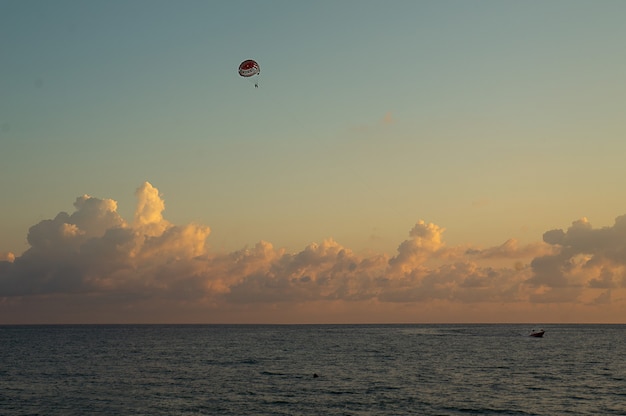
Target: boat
{"points": [[537, 334]]}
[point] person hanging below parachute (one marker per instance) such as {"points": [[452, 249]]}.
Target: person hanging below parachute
{"points": [[250, 69]]}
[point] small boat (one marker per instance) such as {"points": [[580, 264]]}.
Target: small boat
{"points": [[537, 334]]}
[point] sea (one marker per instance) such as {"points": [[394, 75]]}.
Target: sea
{"points": [[312, 370]]}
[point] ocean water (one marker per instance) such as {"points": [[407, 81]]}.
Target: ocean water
{"points": [[312, 370]]}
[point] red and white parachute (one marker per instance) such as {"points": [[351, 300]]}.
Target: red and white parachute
{"points": [[250, 69]]}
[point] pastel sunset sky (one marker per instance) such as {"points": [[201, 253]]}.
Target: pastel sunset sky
{"points": [[403, 161]]}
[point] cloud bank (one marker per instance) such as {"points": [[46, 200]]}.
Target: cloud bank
{"points": [[94, 266]]}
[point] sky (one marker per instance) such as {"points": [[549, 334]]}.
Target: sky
{"points": [[407, 161]]}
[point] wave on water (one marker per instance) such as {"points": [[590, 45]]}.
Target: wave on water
{"points": [[312, 369]]}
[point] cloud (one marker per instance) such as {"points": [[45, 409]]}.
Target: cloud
{"points": [[7, 256], [584, 258], [425, 242], [96, 250], [603, 299], [511, 249], [149, 212], [95, 263]]}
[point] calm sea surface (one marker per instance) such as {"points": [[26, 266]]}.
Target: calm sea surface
{"points": [[270, 370]]}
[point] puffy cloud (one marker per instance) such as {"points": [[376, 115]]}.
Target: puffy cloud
{"points": [[149, 212], [324, 271], [425, 242], [93, 261], [583, 257], [94, 249]]}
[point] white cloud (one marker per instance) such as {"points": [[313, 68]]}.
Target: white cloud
{"points": [[95, 253], [425, 242], [583, 256], [149, 212]]}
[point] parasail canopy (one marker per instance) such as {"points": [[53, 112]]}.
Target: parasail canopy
{"points": [[249, 68]]}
